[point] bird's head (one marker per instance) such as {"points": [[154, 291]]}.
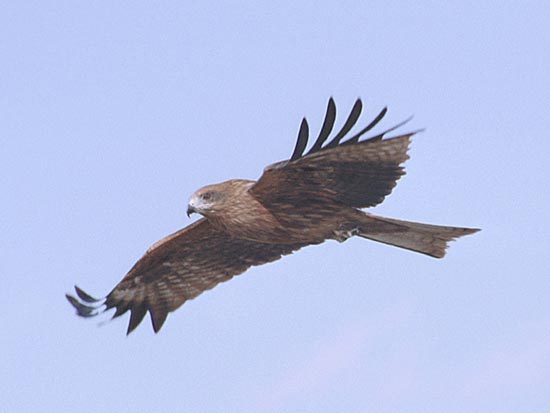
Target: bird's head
{"points": [[205, 200]]}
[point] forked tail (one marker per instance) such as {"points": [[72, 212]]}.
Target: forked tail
{"points": [[424, 238]]}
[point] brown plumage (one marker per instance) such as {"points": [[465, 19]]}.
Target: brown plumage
{"points": [[302, 201]]}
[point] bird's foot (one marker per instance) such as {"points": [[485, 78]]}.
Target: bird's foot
{"points": [[344, 233]]}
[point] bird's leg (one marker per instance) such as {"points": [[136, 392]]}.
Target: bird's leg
{"points": [[344, 232]]}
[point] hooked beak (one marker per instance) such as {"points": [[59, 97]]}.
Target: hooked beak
{"points": [[190, 210]]}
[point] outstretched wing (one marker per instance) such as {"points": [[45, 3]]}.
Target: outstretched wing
{"points": [[176, 269], [356, 173]]}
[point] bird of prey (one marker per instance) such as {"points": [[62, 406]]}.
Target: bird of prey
{"points": [[307, 199]]}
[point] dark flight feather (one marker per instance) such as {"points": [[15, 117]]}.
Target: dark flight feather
{"points": [[355, 138], [328, 124], [350, 122], [301, 142]]}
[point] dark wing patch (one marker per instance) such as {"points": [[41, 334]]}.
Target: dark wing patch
{"points": [[176, 269], [353, 172]]}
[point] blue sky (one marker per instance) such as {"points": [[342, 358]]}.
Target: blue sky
{"points": [[113, 114]]}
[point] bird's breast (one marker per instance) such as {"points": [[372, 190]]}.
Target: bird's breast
{"points": [[245, 217]]}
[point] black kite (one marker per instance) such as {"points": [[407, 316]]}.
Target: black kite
{"points": [[302, 201]]}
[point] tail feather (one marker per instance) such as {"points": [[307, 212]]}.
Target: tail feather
{"points": [[427, 239]]}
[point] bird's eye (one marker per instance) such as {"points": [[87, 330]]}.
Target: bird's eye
{"points": [[206, 196]]}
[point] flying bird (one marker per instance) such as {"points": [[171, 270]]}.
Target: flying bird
{"points": [[307, 199]]}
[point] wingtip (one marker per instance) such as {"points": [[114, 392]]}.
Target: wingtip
{"points": [[82, 309], [84, 296], [73, 301], [409, 135], [129, 330], [157, 319], [301, 142]]}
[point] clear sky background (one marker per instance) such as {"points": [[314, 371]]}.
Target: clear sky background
{"points": [[113, 113]]}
